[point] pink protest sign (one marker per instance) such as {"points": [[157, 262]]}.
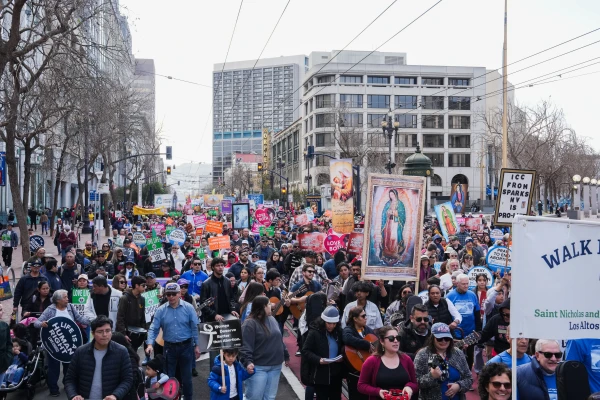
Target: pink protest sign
{"points": [[334, 242], [264, 216]]}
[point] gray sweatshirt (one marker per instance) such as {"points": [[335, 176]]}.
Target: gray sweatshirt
{"points": [[260, 348]]}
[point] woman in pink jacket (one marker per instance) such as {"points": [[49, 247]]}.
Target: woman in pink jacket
{"points": [[388, 369]]}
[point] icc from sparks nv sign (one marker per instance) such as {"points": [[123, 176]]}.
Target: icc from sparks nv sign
{"points": [[558, 257], [514, 198]]}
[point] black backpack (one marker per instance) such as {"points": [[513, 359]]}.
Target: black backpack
{"points": [[572, 381]]}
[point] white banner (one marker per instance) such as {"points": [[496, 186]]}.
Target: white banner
{"points": [[163, 200], [514, 196], [555, 286]]}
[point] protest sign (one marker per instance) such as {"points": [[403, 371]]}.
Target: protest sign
{"points": [[61, 338], [309, 213], [496, 258], [151, 303], [424, 295], [118, 214], [241, 216], [79, 298], [226, 206], [496, 234], [342, 201], [139, 239], [214, 227], [255, 227], [257, 198], [35, 242], [334, 242], [301, 219], [312, 241], [158, 228], [281, 214], [129, 254], [212, 200], [557, 279], [219, 242], [355, 243], [265, 216], [515, 195], [447, 219], [177, 236], [155, 249], [220, 335], [199, 231], [473, 272]]}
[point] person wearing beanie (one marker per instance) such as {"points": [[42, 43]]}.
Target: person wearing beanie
{"points": [[321, 365], [154, 374]]}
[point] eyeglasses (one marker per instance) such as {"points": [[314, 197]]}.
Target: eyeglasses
{"points": [[497, 385], [310, 271], [422, 319], [406, 292], [444, 339], [170, 294], [549, 355], [393, 338], [103, 332]]}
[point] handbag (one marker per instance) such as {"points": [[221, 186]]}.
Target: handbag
{"points": [[396, 394]]}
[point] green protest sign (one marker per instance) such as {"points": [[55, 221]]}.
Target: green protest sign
{"points": [[212, 212], [200, 253], [261, 231], [151, 302], [79, 298], [155, 250], [169, 229], [175, 214], [271, 231]]}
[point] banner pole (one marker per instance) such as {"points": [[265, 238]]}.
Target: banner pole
{"points": [[222, 368], [514, 367]]}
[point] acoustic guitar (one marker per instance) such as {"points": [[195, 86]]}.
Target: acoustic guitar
{"points": [[356, 358], [167, 391], [279, 303], [298, 309], [294, 308]]}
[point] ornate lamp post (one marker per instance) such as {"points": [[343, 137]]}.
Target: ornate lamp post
{"points": [[585, 202], [390, 128]]}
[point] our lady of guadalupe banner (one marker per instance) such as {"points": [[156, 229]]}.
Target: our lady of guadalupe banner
{"points": [[393, 227], [445, 216], [342, 202], [458, 197]]}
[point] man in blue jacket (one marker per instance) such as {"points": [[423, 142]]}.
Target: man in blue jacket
{"points": [[537, 380], [196, 277]]}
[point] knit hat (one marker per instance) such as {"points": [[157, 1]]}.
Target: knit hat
{"points": [[155, 364], [331, 315]]}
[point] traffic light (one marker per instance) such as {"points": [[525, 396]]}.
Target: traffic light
{"points": [[283, 190], [310, 152], [260, 167], [169, 152], [168, 170]]}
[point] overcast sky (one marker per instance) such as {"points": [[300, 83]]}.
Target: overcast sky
{"points": [[185, 38]]}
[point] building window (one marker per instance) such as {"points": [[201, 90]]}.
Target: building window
{"points": [[432, 102], [352, 120], [459, 122], [325, 101], [324, 121], [432, 121], [378, 101], [459, 141], [322, 161], [406, 140], [374, 120], [377, 139], [437, 159], [351, 100], [323, 140], [458, 82], [350, 79], [459, 103], [432, 81], [401, 80], [378, 80], [406, 120], [436, 141], [405, 102], [436, 180], [459, 160], [326, 79]]}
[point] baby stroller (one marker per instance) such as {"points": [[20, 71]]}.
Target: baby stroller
{"points": [[34, 373]]}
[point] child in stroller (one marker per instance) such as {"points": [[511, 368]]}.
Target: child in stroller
{"points": [[15, 371]]}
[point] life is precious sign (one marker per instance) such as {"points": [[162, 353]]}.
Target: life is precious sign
{"points": [[558, 279], [220, 335], [515, 195]]}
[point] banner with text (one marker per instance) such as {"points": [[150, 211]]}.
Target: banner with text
{"points": [[559, 273], [342, 202], [515, 195], [151, 303], [220, 335]]}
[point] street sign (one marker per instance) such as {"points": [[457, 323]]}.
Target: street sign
{"points": [[94, 196]]}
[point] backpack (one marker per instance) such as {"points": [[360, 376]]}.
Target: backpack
{"points": [[572, 381]]}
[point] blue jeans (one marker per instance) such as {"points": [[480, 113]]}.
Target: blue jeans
{"points": [[54, 373], [15, 378], [185, 357], [263, 384]]}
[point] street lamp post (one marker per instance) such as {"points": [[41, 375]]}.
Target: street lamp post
{"points": [[390, 128], [594, 199], [280, 166], [576, 180]]}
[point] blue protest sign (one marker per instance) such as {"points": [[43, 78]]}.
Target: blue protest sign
{"points": [[177, 236], [110, 243], [35, 242], [139, 239], [129, 254], [258, 198], [61, 338], [496, 258], [475, 271]]}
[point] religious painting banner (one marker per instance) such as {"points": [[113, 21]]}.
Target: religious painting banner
{"points": [[342, 201]]}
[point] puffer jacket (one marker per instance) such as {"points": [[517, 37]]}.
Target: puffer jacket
{"points": [[117, 377], [315, 347], [430, 388], [530, 382], [215, 381], [131, 312]]}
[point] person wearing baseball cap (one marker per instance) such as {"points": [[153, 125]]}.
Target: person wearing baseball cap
{"points": [[322, 343], [152, 284], [179, 323]]}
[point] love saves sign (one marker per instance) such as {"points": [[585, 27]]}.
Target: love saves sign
{"points": [[61, 338]]}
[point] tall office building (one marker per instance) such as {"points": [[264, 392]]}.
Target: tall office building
{"points": [[247, 100]]}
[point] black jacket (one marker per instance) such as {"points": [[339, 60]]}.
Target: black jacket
{"points": [[410, 341], [25, 289], [131, 312], [496, 328], [315, 347], [117, 377], [210, 288], [351, 338]]}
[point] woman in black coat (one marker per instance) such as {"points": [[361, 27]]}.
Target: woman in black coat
{"points": [[354, 336], [324, 341]]}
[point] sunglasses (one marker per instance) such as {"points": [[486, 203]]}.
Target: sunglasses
{"points": [[444, 339], [310, 271], [197, 263], [170, 294], [362, 316], [123, 282], [406, 292], [498, 385], [549, 355], [422, 319], [184, 286], [393, 338]]}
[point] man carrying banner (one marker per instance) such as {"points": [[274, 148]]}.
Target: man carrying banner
{"points": [[104, 300], [179, 323]]}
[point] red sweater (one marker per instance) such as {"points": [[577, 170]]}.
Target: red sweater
{"points": [[368, 376]]}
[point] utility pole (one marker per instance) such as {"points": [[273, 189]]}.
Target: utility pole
{"points": [[504, 92]]}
